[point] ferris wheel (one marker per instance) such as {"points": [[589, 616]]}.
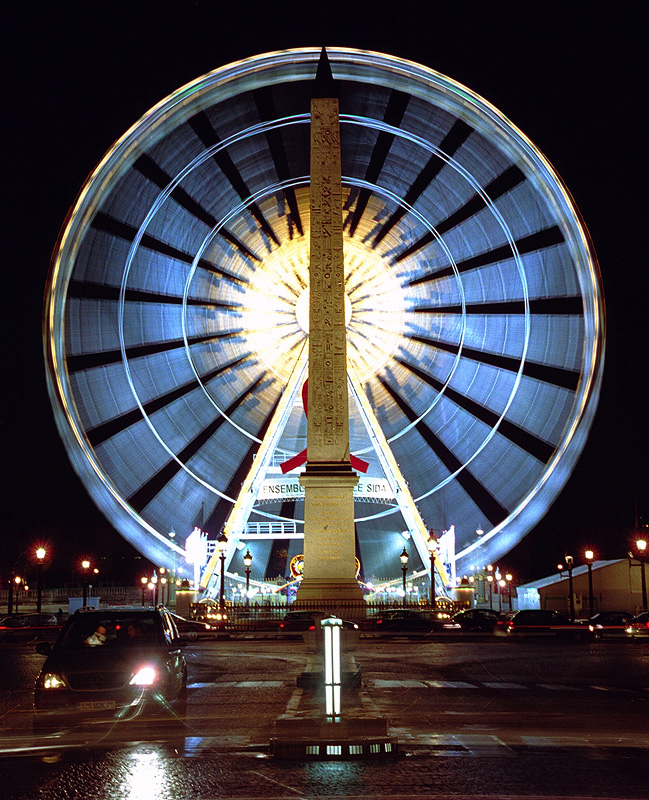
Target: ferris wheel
{"points": [[175, 331]]}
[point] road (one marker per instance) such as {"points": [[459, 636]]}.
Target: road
{"points": [[480, 718]]}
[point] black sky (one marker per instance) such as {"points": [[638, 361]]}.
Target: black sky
{"points": [[77, 75]]}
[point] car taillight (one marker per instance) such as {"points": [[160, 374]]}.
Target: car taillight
{"points": [[311, 627]]}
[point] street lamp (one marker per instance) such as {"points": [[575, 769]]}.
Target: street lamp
{"points": [[143, 580], [432, 549], [509, 578], [404, 567], [570, 563], [490, 581], [247, 560], [40, 556], [641, 547], [85, 566], [17, 580], [501, 585], [222, 543], [589, 556]]}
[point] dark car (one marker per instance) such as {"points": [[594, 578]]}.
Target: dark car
{"points": [[473, 619], [29, 627], [114, 665], [192, 629], [296, 622], [638, 627], [409, 621], [544, 623], [609, 623]]}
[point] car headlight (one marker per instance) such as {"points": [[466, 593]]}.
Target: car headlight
{"points": [[146, 676], [50, 680]]}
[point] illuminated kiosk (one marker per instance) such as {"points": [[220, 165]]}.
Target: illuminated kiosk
{"points": [[333, 729], [175, 353]]}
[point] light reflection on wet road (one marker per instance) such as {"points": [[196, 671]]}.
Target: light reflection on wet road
{"points": [[474, 719]]}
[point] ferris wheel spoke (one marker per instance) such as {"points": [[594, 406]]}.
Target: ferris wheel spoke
{"points": [[498, 187], [558, 376], [118, 424], [140, 499], [394, 111], [570, 306], [114, 227], [526, 244], [266, 109], [202, 127], [526, 440], [86, 361], [450, 144], [492, 509]]}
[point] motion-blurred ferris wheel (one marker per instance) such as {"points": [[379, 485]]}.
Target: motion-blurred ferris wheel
{"points": [[175, 319]]}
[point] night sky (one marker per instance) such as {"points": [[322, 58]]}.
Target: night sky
{"points": [[77, 75]]}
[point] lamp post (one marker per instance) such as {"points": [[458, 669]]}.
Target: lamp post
{"points": [[432, 549], [570, 562], [502, 583], [85, 566], [247, 560], [143, 580], [222, 543], [10, 593], [641, 547], [404, 568], [490, 581], [509, 578], [589, 556], [40, 556], [17, 581]]}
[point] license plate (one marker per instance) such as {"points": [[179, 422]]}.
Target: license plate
{"points": [[96, 705]]}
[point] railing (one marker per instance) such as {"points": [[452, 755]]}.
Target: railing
{"points": [[260, 616]]}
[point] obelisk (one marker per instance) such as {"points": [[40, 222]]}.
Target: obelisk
{"points": [[328, 480]]}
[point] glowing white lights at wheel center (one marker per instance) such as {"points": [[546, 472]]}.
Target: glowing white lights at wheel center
{"points": [[375, 307]]}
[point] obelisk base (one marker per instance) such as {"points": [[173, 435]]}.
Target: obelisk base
{"points": [[329, 540]]}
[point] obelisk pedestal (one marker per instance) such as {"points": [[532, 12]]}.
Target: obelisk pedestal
{"points": [[329, 481]]}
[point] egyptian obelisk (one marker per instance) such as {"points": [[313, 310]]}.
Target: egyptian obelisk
{"points": [[328, 480]]}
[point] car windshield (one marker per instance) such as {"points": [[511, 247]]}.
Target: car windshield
{"points": [[87, 630]]}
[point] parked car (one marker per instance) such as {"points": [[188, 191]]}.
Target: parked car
{"points": [[409, 621], [113, 665], [501, 623], [473, 619], [192, 629], [638, 627], [209, 611], [544, 623], [609, 623], [29, 627], [296, 622]]}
